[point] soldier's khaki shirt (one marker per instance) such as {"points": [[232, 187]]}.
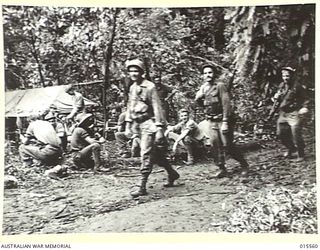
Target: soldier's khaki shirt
{"points": [[144, 100]]}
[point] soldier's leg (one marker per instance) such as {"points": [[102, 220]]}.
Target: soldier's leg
{"points": [[298, 140], [28, 153], [147, 141], [230, 148], [51, 155], [122, 140], [218, 152], [96, 155], [88, 157], [44, 154], [159, 156], [79, 160], [189, 145], [174, 136], [135, 147], [295, 124], [285, 135], [64, 143]]}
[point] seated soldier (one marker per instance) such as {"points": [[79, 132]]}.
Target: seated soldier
{"points": [[185, 133], [40, 143], [84, 146], [59, 128]]}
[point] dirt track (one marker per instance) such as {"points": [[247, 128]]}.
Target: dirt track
{"points": [[85, 202]]}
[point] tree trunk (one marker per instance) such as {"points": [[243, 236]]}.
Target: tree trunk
{"points": [[108, 57], [36, 57]]}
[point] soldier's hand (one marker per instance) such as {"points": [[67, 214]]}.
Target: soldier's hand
{"points": [[102, 140], [224, 127]]}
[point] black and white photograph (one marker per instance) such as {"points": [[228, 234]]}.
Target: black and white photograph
{"points": [[159, 120]]}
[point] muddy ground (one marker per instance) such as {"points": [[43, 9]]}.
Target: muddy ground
{"points": [[86, 202]]}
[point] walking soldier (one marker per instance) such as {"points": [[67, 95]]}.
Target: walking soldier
{"points": [[292, 104], [145, 117], [214, 97]]}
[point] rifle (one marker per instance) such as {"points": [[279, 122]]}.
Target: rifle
{"points": [[274, 109], [278, 99]]}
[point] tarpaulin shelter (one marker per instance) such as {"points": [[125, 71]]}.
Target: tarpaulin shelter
{"points": [[23, 103]]}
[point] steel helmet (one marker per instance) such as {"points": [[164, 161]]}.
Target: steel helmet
{"points": [[290, 69], [83, 117], [49, 116], [208, 65], [137, 63]]}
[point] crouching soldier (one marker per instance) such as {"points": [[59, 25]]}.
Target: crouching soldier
{"points": [[85, 147], [40, 143], [144, 114], [214, 97], [187, 134]]}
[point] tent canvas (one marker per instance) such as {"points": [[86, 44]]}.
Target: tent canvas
{"points": [[23, 103]]}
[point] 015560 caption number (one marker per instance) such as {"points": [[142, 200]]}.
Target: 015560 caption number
{"points": [[308, 246]]}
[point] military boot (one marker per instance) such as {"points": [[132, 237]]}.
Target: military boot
{"points": [[244, 169], [172, 176], [300, 155], [222, 172], [288, 154], [244, 166], [142, 188]]}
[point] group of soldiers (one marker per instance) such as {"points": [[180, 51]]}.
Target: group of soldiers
{"points": [[143, 122]]}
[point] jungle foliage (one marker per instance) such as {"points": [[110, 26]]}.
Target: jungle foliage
{"points": [[46, 46]]}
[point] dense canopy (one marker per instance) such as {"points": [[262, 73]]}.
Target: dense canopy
{"points": [[46, 46]]}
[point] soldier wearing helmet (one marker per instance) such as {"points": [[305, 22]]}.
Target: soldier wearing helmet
{"points": [[145, 117], [292, 105], [215, 98], [85, 145]]}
